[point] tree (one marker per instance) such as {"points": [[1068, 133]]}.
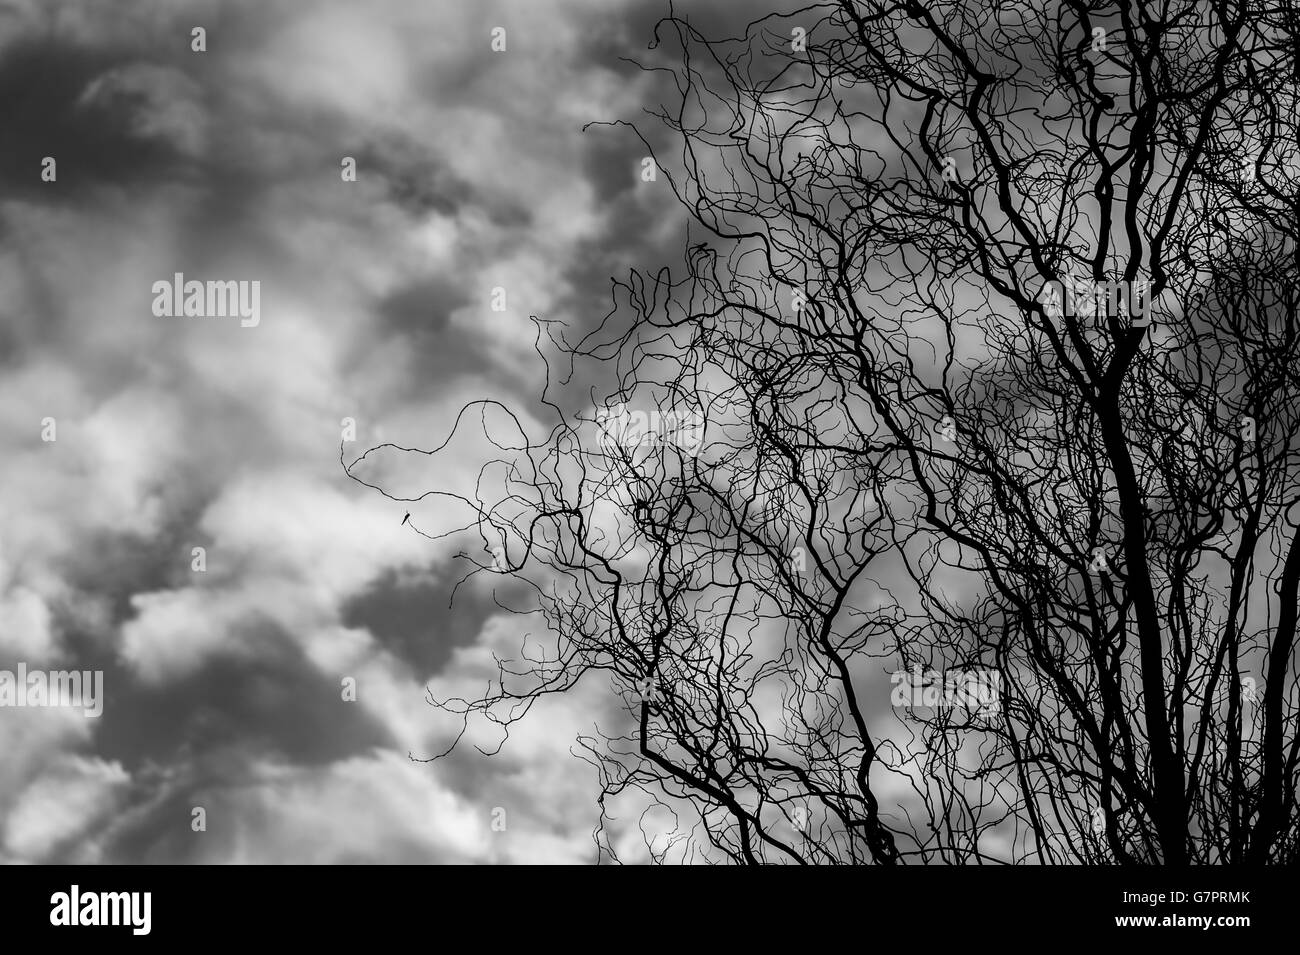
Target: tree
{"points": [[980, 362]]}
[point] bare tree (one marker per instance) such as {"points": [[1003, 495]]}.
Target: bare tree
{"points": [[981, 360]]}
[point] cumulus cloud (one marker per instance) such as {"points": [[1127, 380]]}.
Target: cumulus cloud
{"points": [[176, 433], [71, 797]]}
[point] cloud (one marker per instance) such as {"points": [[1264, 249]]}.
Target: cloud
{"points": [[69, 799], [181, 433], [153, 103]]}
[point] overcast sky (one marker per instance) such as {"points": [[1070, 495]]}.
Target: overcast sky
{"points": [[223, 687]]}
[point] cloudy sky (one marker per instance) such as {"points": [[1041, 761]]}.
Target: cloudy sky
{"points": [[223, 686]]}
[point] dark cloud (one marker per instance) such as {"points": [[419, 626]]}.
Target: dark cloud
{"points": [[270, 702], [419, 315], [42, 81], [413, 180], [223, 160], [416, 620]]}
